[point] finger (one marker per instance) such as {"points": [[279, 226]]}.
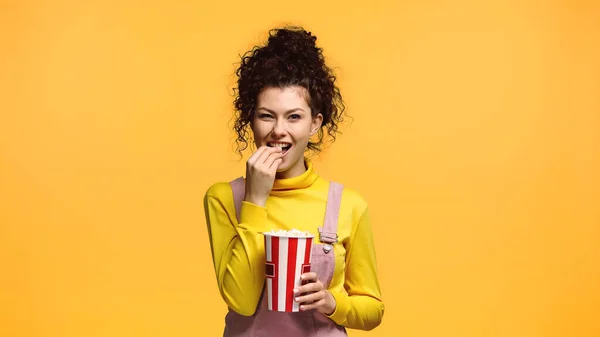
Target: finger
{"points": [[257, 154], [309, 277], [309, 287], [274, 158], [275, 165], [268, 151], [311, 298], [306, 307]]}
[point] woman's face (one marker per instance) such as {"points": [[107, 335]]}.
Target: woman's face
{"points": [[283, 118]]}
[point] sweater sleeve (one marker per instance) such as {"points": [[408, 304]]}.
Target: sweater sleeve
{"points": [[237, 252], [361, 307]]}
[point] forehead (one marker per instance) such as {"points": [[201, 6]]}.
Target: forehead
{"points": [[283, 99]]}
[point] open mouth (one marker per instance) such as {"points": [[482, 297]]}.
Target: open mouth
{"points": [[284, 146]]}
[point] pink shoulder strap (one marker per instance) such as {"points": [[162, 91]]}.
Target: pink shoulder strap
{"points": [[328, 233], [238, 187]]}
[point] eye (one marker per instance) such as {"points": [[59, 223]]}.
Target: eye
{"points": [[264, 116], [295, 116]]}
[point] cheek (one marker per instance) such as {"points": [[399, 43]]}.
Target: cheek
{"points": [[302, 138], [305, 133], [258, 132]]}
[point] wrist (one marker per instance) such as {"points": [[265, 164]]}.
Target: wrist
{"points": [[259, 201], [331, 304]]}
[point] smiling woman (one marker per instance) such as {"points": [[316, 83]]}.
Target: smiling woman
{"points": [[287, 101]]}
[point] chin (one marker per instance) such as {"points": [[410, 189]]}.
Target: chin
{"points": [[282, 168], [288, 162]]}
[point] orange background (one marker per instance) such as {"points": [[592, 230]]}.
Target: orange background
{"points": [[476, 141]]}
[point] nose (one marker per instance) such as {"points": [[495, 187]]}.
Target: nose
{"points": [[279, 128]]}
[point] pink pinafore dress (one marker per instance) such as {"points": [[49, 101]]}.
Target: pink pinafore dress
{"points": [[266, 323]]}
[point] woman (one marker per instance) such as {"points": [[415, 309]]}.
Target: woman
{"points": [[287, 101]]}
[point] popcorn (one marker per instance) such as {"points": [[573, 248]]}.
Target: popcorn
{"points": [[289, 233]]}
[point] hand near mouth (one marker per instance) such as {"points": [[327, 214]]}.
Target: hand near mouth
{"points": [[261, 169], [283, 145]]}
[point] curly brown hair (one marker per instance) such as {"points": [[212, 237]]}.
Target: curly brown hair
{"points": [[289, 58]]}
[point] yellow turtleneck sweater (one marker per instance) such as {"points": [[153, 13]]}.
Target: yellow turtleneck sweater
{"points": [[298, 202]]}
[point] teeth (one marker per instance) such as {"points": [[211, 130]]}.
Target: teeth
{"points": [[281, 145]]}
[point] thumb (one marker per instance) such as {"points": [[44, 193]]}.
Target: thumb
{"points": [[276, 164]]}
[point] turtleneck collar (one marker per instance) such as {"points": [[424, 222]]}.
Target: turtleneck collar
{"points": [[302, 181]]}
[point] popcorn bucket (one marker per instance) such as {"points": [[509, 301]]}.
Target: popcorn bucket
{"points": [[287, 257]]}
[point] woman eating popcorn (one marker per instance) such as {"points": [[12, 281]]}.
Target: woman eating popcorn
{"points": [[286, 103]]}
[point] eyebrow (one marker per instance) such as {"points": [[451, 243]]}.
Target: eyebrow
{"points": [[287, 112]]}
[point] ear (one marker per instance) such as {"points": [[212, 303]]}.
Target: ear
{"points": [[316, 124]]}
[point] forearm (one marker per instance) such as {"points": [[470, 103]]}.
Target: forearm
{"points": [[360, 306], [238, 254], [240, 274]]}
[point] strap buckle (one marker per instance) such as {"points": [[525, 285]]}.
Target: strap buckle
{"points": [[328, 239]]}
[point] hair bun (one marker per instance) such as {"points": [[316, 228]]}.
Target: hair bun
{"points": [[292, 40]]}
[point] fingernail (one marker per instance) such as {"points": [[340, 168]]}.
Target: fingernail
{"points": [[295, 290]]}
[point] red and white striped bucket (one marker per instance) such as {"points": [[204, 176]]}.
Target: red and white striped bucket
{"points": [[287, 257]]}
